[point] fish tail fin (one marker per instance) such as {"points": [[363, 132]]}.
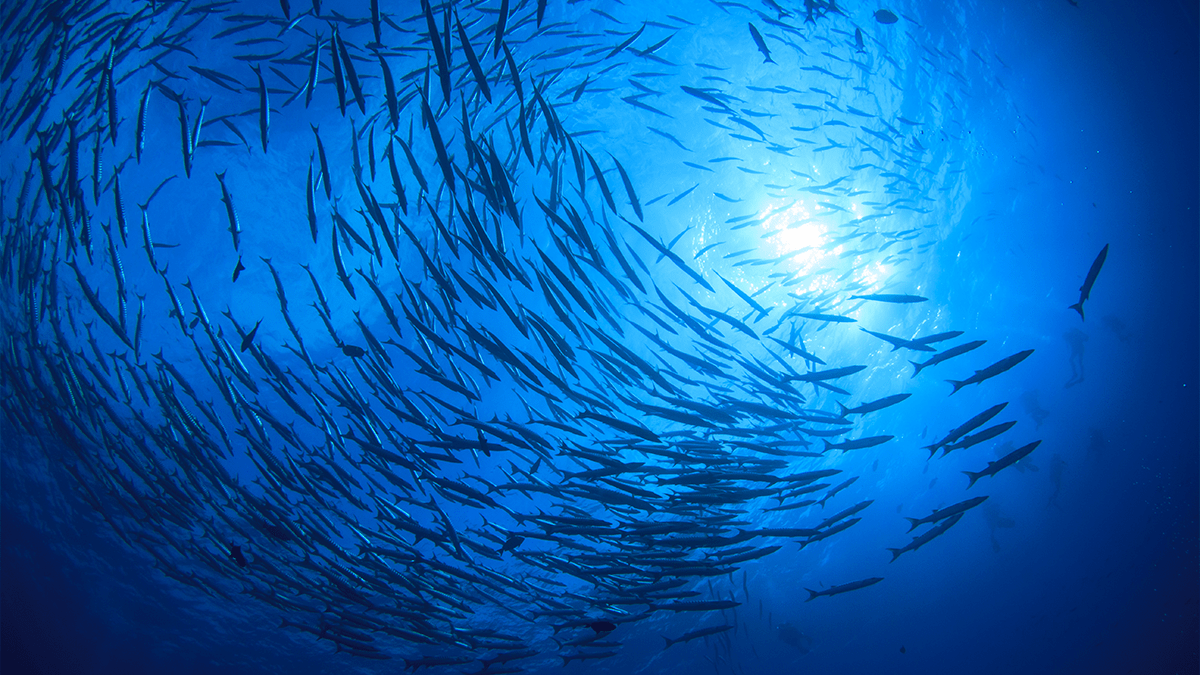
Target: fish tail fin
{"points": [[957, 385], [845, 410], [917, 368], [913, 523], [669, 642], [895, 554], [566, 660], [828, 446], [1078, 307], [973, 476], [812, 594]]}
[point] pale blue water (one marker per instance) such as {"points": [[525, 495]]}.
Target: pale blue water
{"points": [[978, 155]]}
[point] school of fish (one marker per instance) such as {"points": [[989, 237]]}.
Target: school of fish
{"points": [[525, 310]]}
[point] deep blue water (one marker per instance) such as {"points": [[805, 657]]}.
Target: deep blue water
{"points": [[978, 155]]}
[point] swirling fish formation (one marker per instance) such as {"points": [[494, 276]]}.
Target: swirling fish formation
{"points": [[528, 414]]}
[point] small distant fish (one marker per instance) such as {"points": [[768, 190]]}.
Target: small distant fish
{"points": [[602, 626], [884, 16], [703, 632], [1085, 291], [237, 271], [835, 590]]}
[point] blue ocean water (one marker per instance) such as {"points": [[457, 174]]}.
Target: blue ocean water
{"points": [[977, 155]]}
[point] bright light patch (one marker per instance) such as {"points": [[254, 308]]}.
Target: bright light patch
{"points": [[798, 235], [874, 273]]}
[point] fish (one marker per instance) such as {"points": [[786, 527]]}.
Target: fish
{"points": [[585, 656], [628, 41], [843, 588], [140, 130], [681, 195], [958, 350], [337, 260], [942, 514], [473, 60], [325, 180], [414, 165], [966, 428], [885, 17], [627, 427], [873, 406], [237, 271], [389, 96], [264, 108], [1004, 462], [702, 632], [185, 136], [439, 50], [313, 69], [1085, 291], [339, 78], [698, 606], [822, 375], [975, 439], [249, 338], [798, 351], [633, 199], [926, 537], [833, 318], [897, 343], [438, 145], [858, 443], [991, 371], [845, 514], [890, 298], [502, 21], [119, 211], [666, 252], [760, 43], [310, 202], [235, 229]]}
